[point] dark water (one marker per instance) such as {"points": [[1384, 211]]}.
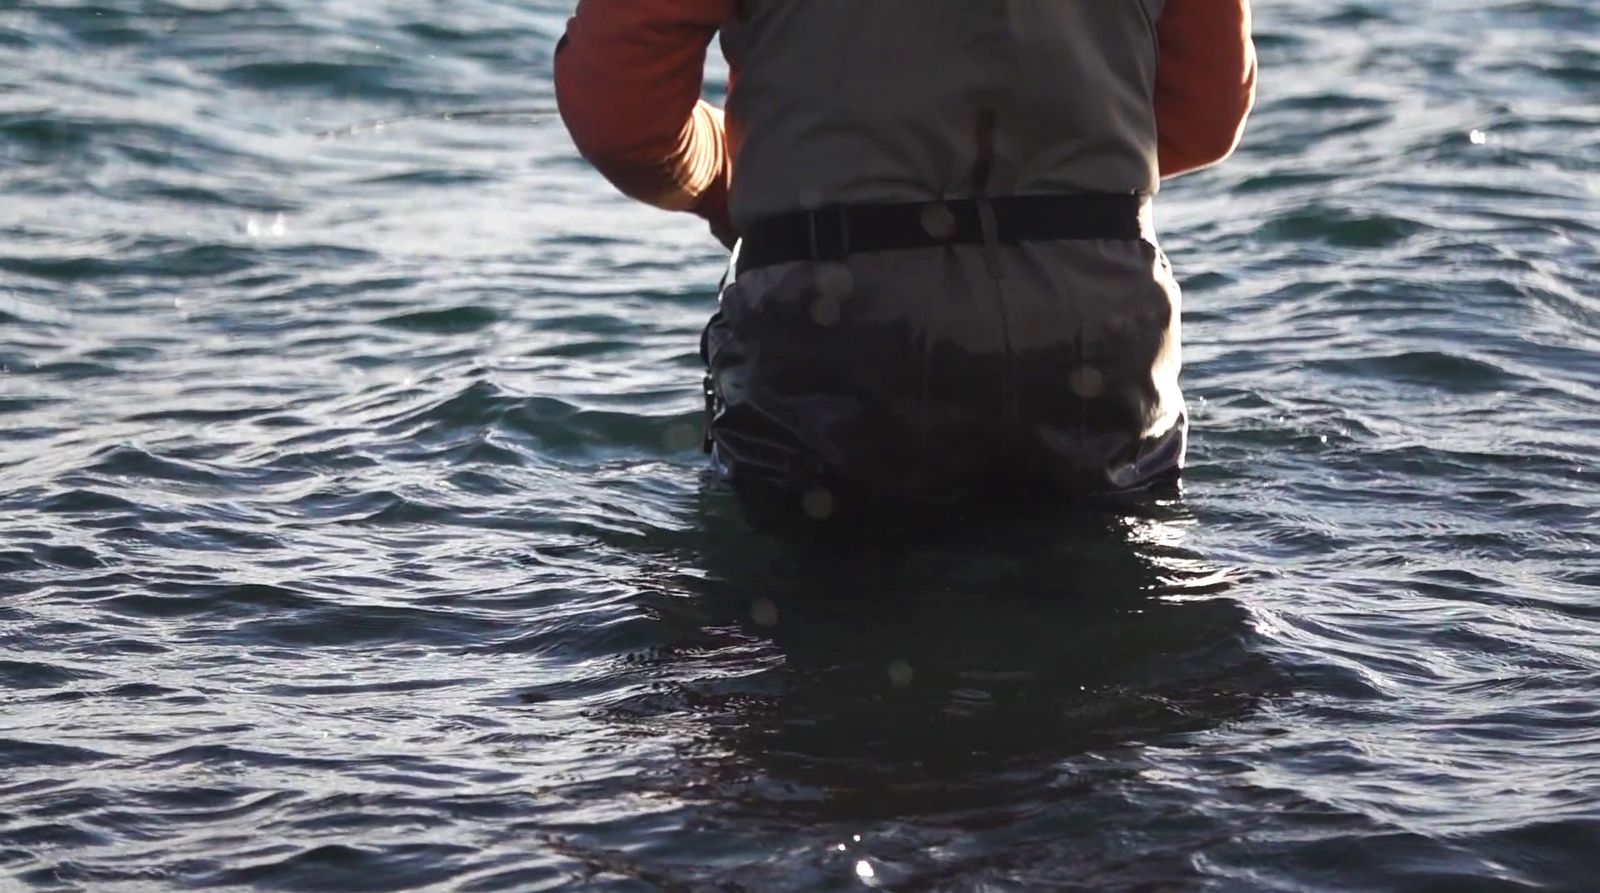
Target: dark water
{"points": [[353, 534]]}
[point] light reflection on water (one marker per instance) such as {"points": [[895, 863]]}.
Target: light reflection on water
{"points": [[354, 533]]}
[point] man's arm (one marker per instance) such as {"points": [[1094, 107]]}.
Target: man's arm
{"points": [[1205, 82], [628, 76]]}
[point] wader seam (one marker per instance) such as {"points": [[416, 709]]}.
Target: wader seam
{"points": [[982, 168], [924, 373], [1078, 364]]}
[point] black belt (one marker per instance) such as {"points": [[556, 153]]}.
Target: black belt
{"points": [[836, 233]]}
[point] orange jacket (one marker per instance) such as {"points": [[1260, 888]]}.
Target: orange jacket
{"points": [[629, 72]]}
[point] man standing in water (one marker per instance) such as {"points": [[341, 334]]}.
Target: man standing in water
{"points": [[946, 281]]}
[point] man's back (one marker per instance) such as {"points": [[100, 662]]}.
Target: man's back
{"points": [[948, 273], [850, 102], [628, 76]]}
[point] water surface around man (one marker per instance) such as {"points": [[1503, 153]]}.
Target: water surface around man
{"points": [[354, 532]]}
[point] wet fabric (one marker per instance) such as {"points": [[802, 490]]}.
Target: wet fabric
{"points": [[942, 375]]}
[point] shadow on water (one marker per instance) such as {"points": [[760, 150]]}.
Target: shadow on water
{"points": [[990, 684]]}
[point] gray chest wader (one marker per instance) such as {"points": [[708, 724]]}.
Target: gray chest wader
{"points": [[949, 285]]}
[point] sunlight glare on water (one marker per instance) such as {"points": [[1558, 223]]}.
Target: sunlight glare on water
{"points": [[355, 533]]}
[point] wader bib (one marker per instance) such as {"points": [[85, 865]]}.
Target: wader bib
{"points": [[949, 280]]}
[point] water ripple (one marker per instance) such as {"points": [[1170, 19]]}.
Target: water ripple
{"points": [[354, 532]]}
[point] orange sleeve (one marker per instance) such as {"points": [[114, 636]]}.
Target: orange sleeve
{"points": [[1205, 81], [628, 76]]}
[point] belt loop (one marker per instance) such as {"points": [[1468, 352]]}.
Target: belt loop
{"points": [[991, 237], [836, 248]]}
